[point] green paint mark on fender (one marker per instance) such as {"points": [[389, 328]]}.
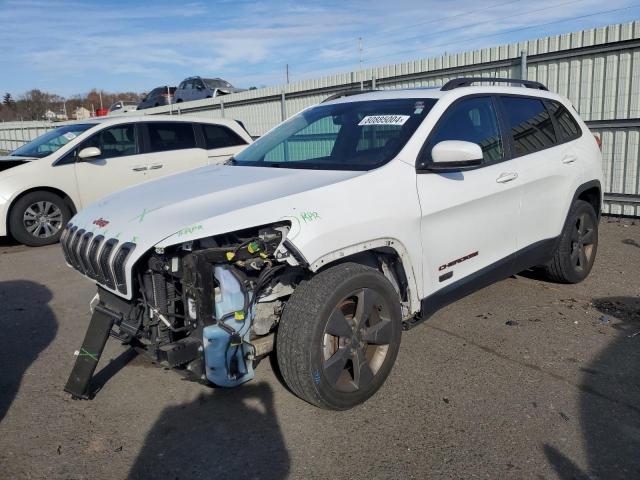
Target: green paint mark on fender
{"points": [[189, 230], [308, 217]]}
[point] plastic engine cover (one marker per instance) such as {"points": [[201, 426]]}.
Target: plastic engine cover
{"points": [[221, 357]]}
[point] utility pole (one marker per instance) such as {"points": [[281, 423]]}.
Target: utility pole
{"points": [[287, 71], [100, 93], [360, 62]]}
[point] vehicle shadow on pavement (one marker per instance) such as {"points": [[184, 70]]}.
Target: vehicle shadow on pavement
{"points": [[28, 326], [228, 433], [610, 400]]}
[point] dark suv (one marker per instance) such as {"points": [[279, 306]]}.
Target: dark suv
{"points": [[157, 97]]}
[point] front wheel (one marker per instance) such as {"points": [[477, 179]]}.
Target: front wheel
{"points": [[339, 336], [576, 251], [37, 218]]}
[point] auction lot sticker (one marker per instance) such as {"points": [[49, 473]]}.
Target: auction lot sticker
{"points": [[384, 120]]}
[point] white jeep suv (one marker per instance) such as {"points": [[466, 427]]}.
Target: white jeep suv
{"points": [[351, 221], [43, 183]]}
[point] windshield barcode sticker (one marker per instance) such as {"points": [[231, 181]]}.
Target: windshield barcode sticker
{"points": [[384, 120], [69, 136]]}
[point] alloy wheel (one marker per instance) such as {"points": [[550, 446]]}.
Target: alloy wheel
{"points": [[582, 240], [42, 219], [356, 340]]}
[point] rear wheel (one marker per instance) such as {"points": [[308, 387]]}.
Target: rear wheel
{"points": [[38, 218], [339, 336], [576, 251]]}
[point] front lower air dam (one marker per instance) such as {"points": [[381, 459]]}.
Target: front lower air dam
{"points": [[89, 354], [228, 354]]}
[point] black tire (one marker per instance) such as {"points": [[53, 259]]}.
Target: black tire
{"points": [[318, 366], [574, 256], [24, 219]]}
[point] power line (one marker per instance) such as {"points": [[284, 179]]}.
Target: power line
{"points": [[579, 17], [496, 34], [470, 25], [454, 29], [433, 20]]}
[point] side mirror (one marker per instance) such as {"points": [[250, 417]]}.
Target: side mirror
{"points": [[89, 153], [455, 155]]}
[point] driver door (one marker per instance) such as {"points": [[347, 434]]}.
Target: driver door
{"points": [[469, 218], [119, 166]]}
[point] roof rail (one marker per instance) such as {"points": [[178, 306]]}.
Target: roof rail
{"points": [[347, 93], [468, 81]]}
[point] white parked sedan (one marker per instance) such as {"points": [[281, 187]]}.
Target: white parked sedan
{"points": [[46, 181]]}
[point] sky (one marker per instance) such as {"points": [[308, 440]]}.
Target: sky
{"points": [[70, 47]]}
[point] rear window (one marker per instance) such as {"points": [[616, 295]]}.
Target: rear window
{"points": [[567, 125], [216, 136], [164, 136], [530, 124]]}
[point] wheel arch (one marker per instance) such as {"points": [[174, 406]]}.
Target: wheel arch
{"points": [[386, 255], [591, 192], [66, 198]]}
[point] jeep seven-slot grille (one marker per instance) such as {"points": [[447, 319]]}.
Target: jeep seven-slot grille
{"points": [[96, 257]]}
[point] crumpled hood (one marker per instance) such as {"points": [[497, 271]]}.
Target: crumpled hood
{"points": [[177, 205]]}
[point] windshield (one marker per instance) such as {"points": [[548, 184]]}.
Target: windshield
{"points": [[217, 83], [51, 141], [343, 136]]}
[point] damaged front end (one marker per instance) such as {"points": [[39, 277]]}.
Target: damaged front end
{"points": [[205, 307]]}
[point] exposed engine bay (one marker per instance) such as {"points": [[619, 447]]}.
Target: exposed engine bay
{"points": [[206, 307]]}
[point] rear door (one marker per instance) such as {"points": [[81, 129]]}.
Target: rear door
{"points": [[549, 170], [119, 166], [469, 217], [171, 147], [221, 142]]}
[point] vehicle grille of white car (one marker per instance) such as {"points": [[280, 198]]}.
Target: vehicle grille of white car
{"points": [[96, 257]]}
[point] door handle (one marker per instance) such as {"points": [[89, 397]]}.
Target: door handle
{"points": [[569, 159], [155, 166], [506, 177], [139, 168]]}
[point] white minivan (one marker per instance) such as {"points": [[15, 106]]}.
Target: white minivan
{"points": [[46, 181]]}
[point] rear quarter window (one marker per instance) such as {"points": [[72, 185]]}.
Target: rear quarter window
{"points": [[529, 123], [217, 136], [565, 122]]}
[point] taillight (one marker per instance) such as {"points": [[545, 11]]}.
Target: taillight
{"points": [[598, 141]]}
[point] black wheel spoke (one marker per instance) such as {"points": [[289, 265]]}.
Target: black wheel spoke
{"points": [[338, 326], [368, 303], [379, 334], [587, 236], [362, 374], [334, 366], [582, 259], [575, 254]]}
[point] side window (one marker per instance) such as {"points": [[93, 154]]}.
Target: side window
{"points": [[530, 124], [471, 120], [569, 128], [182, 86], [118, 141], [219, 137], [164, 136]]}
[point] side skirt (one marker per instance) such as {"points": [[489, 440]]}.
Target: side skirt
{"points": [[538, 253]]}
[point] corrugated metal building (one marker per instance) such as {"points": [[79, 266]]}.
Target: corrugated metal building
{"points": [[597, 69]]}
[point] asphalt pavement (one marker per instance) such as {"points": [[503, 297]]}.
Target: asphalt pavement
{"points": [[524, 379]]}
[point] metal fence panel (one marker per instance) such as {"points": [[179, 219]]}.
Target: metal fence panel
{"points": [[597, 69]]}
